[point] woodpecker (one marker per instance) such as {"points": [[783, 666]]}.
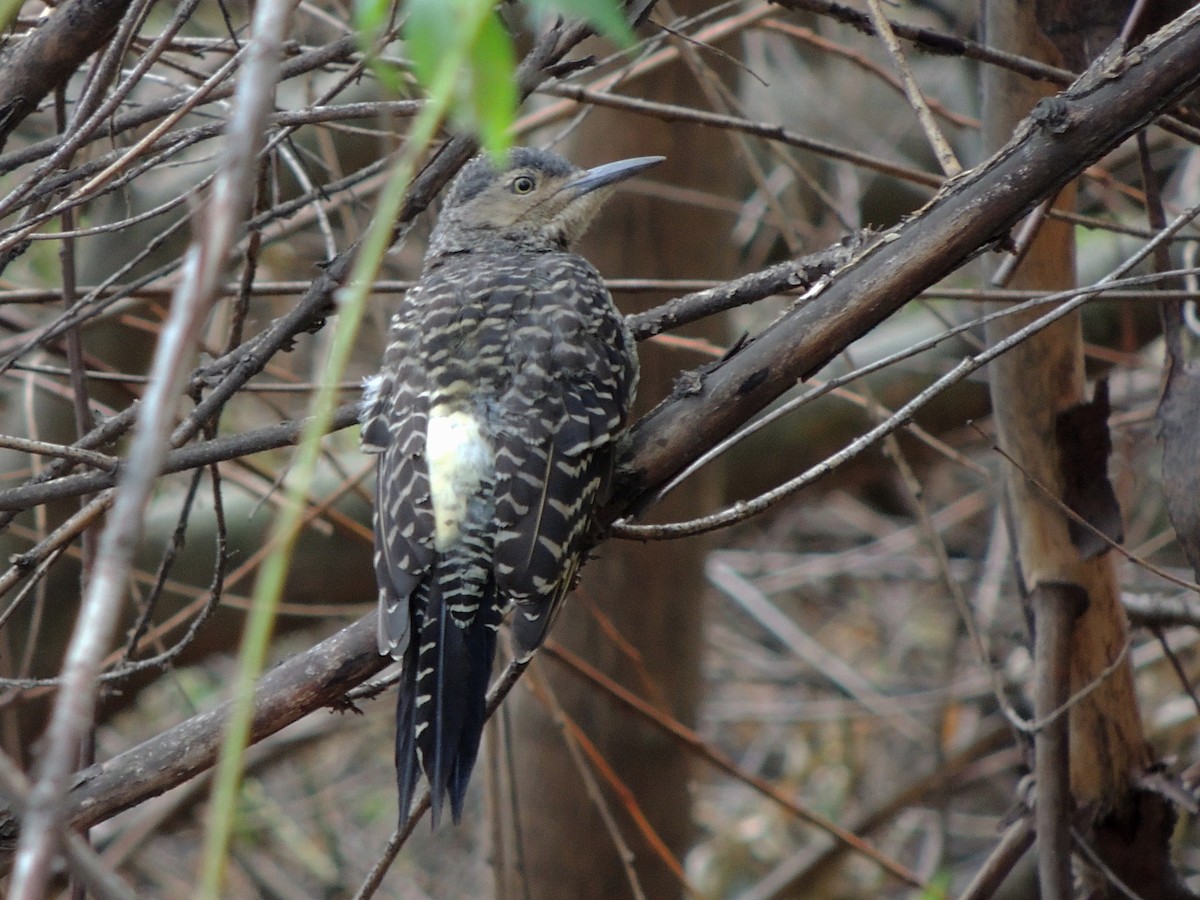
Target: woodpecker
{"points": [[507, 379]]}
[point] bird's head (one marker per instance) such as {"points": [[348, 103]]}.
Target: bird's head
{"points": [[535, 201]]}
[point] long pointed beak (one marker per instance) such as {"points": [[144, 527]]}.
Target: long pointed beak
{"points": [[610, 173]]}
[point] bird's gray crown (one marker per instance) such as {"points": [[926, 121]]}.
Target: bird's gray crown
{"points": [[481, 171]]}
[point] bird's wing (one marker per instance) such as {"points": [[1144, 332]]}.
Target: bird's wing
{"points": [[437, 601], [574, 373], [394, 417]]}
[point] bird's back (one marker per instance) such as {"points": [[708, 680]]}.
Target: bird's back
{"points": [[506, 382]]}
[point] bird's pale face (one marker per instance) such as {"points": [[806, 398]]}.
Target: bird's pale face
{"points": [[528, 204], [536, 202]]}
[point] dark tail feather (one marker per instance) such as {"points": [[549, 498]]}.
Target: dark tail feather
{"points": [[444, 668], [440, 712], [481, 649], [406, 746]]}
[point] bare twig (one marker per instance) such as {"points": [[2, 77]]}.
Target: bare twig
{"points": [[843, 676], [718, 759], [937, 140], [82, 860], [1055, 608], [204, 270], [1016, 840], [671, 113], [100, 461], [1162, 612], [571, 738]]}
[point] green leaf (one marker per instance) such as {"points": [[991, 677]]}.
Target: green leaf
{"points": [[369, 15], [493, 90], [606, 16], [431, 34], [371, 19], [8, 12], [461, 46], [939, 886]]}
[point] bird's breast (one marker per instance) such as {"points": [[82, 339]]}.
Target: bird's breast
{"points": [[459, 457]]}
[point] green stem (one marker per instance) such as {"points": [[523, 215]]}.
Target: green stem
{"points": [[8, 12], [272, 575]]}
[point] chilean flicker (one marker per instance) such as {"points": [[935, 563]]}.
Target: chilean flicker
{"points": [[507, 379]]}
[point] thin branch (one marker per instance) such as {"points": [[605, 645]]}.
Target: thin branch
{"points": [[827, 664], [1013, 844], [311, 60], [933, 41], [973, 211], [203, 271], [100, 461], [82, 861], [1162, 612], [722, 762], [941, 147], [864, 62], [572, 738], [667, 112]]}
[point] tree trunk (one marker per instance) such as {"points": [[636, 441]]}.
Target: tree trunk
{"points": [[1033, 387]]}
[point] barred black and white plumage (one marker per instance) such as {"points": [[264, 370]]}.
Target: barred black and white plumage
{"points": [[507, 379]]}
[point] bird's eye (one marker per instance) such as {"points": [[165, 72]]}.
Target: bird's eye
{"points": [[523, 184]]}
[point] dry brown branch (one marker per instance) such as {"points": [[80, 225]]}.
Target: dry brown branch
{"points": [[318, 678], [46, 56], [669, 113], [932, 41], [307, 62], [916, 99], [1052, 147]]}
